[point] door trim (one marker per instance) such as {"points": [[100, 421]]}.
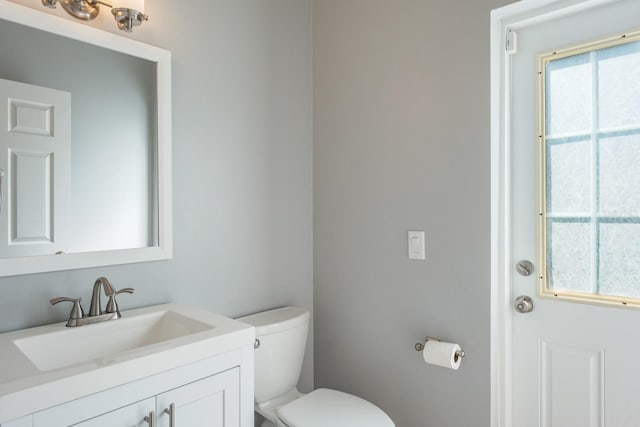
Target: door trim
{"points": [[503, 20]]}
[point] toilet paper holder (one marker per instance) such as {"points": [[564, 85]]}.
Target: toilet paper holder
{"points": [[420, 347]]}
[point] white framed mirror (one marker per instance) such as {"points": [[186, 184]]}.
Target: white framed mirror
{"points": [[85, 146]]}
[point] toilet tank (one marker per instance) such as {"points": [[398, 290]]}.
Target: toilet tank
{"points": [[282, 333]]}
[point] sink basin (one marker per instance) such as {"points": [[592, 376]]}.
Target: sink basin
{"points": [[101, 341]]}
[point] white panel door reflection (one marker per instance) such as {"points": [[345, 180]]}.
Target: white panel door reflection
{"points": [[35, 156]]}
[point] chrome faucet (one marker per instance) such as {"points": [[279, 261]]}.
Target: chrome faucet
{"points": [[96, 314]]}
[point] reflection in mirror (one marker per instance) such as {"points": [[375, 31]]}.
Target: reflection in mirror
{"points": [[111, 200], [84, 145]]}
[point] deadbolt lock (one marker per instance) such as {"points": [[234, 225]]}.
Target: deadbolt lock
{"points": [[525, 268]]}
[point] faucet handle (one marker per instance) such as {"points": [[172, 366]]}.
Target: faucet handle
{"points": [[112, 304], [76, 310]]}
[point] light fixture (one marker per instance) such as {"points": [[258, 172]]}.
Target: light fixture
{"points": [[128, 13]]}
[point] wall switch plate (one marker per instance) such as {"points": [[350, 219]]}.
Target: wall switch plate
{"points": [[416, 245]]}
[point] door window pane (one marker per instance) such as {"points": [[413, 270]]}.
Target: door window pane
{"points": [[569, 97], [570, 256], [569, 169], [590, 172], [618, 85], [619, 175], [619, 266]]}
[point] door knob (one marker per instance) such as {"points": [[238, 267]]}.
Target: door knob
{"points": [[523, 304]]}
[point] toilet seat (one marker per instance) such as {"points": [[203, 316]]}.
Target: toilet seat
{"points": [[324, 407]]}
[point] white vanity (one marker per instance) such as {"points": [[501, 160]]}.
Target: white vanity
{"points": [[167, 365]]}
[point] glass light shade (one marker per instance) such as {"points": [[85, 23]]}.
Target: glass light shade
{"points": [[130, 4]]}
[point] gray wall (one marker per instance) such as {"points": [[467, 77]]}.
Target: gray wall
{"points": [[242, 159], [401, 142]]}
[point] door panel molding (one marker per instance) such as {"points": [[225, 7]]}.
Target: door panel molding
{"points": [[572, 385], [30, 117], [31, 218]]}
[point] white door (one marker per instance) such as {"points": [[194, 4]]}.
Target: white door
{"points": [[35, 158], [575, 359]]}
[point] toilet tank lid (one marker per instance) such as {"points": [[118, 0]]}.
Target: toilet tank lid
{"points": [[324, 407], [277, 320]]}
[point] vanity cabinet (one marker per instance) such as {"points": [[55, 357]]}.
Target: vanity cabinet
{"points": [[216, 392], [213, 401]]}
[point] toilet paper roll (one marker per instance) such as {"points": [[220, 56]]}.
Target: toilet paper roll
{"points": [[442, 354]]}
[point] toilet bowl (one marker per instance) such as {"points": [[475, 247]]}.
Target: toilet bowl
{"points": [[281, 337]]}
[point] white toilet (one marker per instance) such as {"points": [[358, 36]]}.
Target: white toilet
{"points": [[281, 336]]}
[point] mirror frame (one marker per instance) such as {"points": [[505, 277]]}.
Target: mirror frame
{"points": [[162, 58]]}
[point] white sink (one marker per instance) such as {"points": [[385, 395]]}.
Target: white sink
{"points": [[102, 341], [48, 365]]}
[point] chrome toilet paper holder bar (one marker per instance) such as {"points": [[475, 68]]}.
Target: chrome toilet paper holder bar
{"points": [[420, 347]]}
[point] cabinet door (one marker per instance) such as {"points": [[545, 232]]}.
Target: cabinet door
{"points": [[210, 402], [128, 416]]}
